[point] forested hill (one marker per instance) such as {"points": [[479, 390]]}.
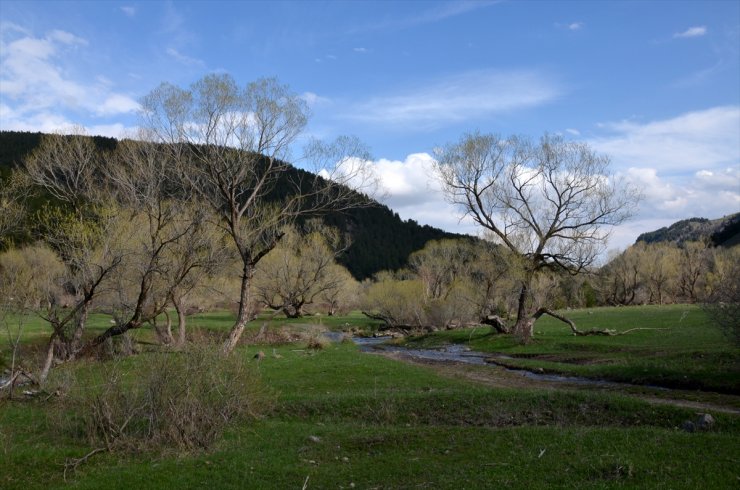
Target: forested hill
{"points": [[381, 240], [723, 231]]}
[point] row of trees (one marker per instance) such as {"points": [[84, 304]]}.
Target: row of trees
{"points": [[662, 273], [454, 282]]}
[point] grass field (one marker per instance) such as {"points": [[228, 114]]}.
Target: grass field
{"points": [[683, 350], [344, 419]]}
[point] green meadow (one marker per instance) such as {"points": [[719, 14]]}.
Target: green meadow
{"points": [[341, 418]]}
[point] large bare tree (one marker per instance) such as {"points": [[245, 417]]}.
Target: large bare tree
{"points": [[551, 203], [234, 144], [168, 236]]}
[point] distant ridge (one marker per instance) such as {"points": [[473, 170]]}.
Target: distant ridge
{"points": [[380, 239], [723, 231]]}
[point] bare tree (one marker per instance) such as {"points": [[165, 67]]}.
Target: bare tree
{"points": [[549, 203], [722, 301], [693, 265], [620, 278], [80, 228], [168, 238], [440, 264], [234, 145], [30, 282]]}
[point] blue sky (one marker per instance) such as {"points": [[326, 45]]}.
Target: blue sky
{"points": [[655, 85]]}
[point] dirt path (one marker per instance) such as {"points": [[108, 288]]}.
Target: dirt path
{"points": [[495, 376]]}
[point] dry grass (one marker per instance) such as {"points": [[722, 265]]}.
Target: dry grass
{"points": [[176, 402]]}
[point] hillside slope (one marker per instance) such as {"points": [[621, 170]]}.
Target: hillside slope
{"points": [[381, 240], [723, 231]]}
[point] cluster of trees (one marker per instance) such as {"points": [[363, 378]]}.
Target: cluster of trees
{"points": [[203, 191], [455, 282], [449, 283], [664, 272]]}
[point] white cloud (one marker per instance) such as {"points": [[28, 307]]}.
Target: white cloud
{"points": [[573, 131], [117, 104], [361, 50], [184, 59], [313, 99], [50, 122], [412, 191], [699, 140], [687, 166], [458, 98], [696, 31], [703, 147], [37, 88], [574, 26], [129, 11]]}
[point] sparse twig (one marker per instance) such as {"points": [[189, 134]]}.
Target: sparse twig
{"points": [[73, 463]]}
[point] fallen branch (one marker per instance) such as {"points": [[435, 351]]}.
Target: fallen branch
{"points": [[497, 323], [594, 331], [73, 463], [14, 377]]}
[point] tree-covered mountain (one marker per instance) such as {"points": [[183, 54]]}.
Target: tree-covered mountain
{"points": [[723, 231], [380, 239]]}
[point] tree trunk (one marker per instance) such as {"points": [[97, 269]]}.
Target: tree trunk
{"points": [[243, 314], [79, 328], [524, 326], [164, 334], [48, 360], [181, 321], [496, 324]]}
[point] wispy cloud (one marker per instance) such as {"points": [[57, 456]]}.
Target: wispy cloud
{"points": [[696, 31], [129, 11], [700, 140], [457, 98], [184, 59], [313, 99], [571, 26], [361, 50], [430, 16]]}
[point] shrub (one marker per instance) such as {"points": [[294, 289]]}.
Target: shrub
{"points": [[166, 402]]}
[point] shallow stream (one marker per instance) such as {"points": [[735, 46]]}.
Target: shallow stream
{"points": [[460, 353]]}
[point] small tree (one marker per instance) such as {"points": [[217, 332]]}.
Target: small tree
{"points": [[299, 271], [549, 203], [31, 282]]}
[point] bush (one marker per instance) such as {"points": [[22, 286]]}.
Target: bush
{"points": [[166, 402]]}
